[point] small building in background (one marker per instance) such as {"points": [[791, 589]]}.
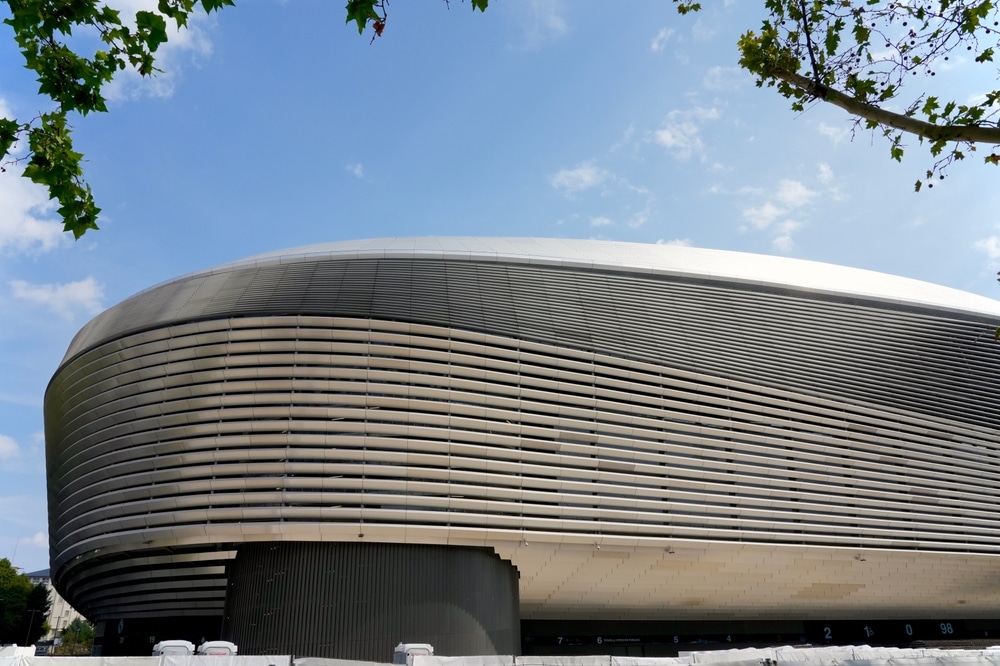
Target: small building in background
{"points": [[60, 613]]}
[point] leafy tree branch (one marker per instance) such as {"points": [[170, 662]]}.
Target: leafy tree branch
{"points": [[863, 55], [75, 84]]}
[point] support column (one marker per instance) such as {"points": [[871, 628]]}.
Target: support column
{"points": [[358, 600]]}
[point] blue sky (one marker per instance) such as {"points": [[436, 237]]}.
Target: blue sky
{"points": [[276, 125]]}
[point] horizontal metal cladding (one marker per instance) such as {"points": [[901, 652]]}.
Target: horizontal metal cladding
{"points": [[941, 364], [784, 421]]}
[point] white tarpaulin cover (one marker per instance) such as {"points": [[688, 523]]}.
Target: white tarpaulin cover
{"points": [[649, 661], [485, 660], [320, 661], [165, 660], [782, 656], [596, 660]]}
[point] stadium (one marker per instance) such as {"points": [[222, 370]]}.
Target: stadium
{"points": [[506, 446]]}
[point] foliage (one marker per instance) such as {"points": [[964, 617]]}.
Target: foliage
{"points": [[75, 82], [862, 55], [77, 638], [23, 606], [375, 13]]}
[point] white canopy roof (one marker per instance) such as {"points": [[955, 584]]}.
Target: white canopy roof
{"points": [[648, 258]]}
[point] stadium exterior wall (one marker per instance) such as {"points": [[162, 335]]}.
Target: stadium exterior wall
{"points": [[644, 432]]}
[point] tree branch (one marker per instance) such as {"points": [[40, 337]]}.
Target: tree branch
{"points": [[854, 106]]}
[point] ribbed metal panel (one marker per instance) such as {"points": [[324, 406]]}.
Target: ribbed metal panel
{"points": [[851, 349], [359, 600], [501, 405]]}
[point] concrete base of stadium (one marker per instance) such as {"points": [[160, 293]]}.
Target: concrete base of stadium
{"points": [[358, 600]]}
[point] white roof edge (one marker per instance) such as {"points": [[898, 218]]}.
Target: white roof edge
{"points": [[723, 265]]}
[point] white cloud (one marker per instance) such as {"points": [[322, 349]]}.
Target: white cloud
{"points": [[676, 242], [39, 540], [772, 215], [642, 217], [635, 202], [357, 169], [794, 194], [783, 243], [191, 42], [990, 246], [582, 177], [724, 79], [26, 223], [8, 448], [65, 300], [548, 16], [835, 134], [762, 216], [661, 39], [788, 227], [543, 22], [825, 173], [703, 30], [681, 131], [626, 138]]}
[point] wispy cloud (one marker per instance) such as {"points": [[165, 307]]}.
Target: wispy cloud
{"points": [[543, 21], [704, 30], [38, 540], [990, 246], [636, 202], [357, 169], [793, 194], [773, 214], [761, 217], [65, 300], [835, 134], [660, 41], [680, 133], [724, 79], [8, 448], [783, 239], [583, 176], [676, 242]]}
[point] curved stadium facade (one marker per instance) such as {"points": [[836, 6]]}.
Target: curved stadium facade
{"points": [[498, 445]]}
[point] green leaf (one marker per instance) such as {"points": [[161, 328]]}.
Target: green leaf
{"points": [[687, 7], [215, 5], [153, 27], [361, 12], [8, 135], [480, 5], [861, 33]]}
